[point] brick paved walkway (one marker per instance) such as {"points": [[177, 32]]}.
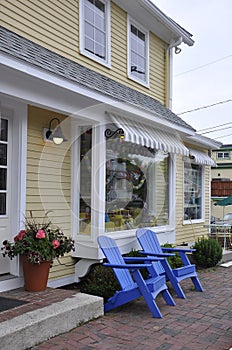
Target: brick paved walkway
{"points": [[202, 321]]}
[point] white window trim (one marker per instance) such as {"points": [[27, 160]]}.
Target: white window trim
{"points": [[223, 155], [195, 221], [146, 32], [107, 61]]}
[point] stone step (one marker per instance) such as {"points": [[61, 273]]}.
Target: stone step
{"points": [[34, 327]]}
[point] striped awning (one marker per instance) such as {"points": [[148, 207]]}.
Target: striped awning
{"points": [[201, 157], [148, 136]]}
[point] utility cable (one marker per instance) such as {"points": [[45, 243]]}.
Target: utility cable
{"points": [[203, 66], [204, 107], [207, 132], [214, 127]]}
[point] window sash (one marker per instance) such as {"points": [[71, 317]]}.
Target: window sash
{"points": [[95, 30], [138, 49]]}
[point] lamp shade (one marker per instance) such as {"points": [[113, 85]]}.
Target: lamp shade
{"points": [[54, 135]]}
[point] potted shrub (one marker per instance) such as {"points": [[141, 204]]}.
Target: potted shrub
{"points": [[37, 245]]}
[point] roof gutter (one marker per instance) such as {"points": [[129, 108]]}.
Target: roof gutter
{"points": [[168, 22]]}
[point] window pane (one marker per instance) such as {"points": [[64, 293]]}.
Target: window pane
{"points": [[3, 154], [89, 30], [2, 203], [3, 179], [89, 45], [192, 191], [85, 181], [100, 6], [136, 187], [4, 129], [99, 37], [89, 14], [141, 36], [138, 53]]}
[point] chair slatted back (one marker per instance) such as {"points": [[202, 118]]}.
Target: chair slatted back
{"points": [[114, 256], [149, 243]]}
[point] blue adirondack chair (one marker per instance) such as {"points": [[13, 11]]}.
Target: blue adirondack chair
{"points": [[127, 271], [151, 247]]}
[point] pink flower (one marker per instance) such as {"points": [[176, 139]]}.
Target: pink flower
{"points": [[20, 236], [40, 234], [55, 244]]}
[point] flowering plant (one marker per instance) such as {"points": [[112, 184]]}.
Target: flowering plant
{"points": [[39, 242]]}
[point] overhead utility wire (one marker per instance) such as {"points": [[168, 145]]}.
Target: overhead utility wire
{"points": [[202, 66], [219, 137], [204, 107], [214, 127], [207, 132]]}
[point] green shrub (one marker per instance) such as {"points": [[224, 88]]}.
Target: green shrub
{"points": [[174, 261], [100, 281], [208, 252]]}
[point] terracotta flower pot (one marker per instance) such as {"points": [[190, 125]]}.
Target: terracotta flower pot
{"points": [[35, 275]]}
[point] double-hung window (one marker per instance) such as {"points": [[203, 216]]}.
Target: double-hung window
{"points": [[138, 53], [95, 30]]}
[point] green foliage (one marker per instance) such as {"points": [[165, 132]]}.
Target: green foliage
{"points": [[100, 281], [39, 242], [208, 252], [174, 261]]}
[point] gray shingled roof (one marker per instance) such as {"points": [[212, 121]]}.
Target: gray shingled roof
{"points": [[36, 55]]}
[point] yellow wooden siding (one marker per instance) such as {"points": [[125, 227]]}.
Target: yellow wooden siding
{"points": [[49, 179], [55, 25], [189, 232]]}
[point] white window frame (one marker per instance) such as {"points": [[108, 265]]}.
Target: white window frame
{"points": [[130, 22], [225, 155], [202, 219], [107, 61]]}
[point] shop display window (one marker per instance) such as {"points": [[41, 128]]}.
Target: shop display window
{"points": [[136, 186]]}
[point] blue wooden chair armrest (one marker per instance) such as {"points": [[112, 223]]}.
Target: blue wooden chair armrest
{"points": [[131, 259], [127, 266], [149, 243], [158, 255], [178, 250]]}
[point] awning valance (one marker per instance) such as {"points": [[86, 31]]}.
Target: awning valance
{"points": [[201, 157], [148, 136]]}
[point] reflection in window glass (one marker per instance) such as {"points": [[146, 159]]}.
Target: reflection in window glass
{"points": [[3, 154], [4, 130], [3, 174], [85, 180], [2, 203], [192, 191], [136, 186]]}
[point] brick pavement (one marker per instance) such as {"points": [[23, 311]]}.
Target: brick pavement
{"points": [[202, 321]]}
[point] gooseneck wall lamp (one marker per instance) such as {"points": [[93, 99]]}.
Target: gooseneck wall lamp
{"points": [[55, 135]]}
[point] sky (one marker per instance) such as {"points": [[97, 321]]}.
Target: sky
{"points": [[202, 74]]}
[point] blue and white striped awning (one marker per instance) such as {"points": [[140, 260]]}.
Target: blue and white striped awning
{"points": [[141, 134]]}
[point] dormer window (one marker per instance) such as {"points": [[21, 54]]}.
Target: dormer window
{"points": [[138, 53], [95, 30]]}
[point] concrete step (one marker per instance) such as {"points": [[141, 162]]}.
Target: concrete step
{"points": [[34, 327]]}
